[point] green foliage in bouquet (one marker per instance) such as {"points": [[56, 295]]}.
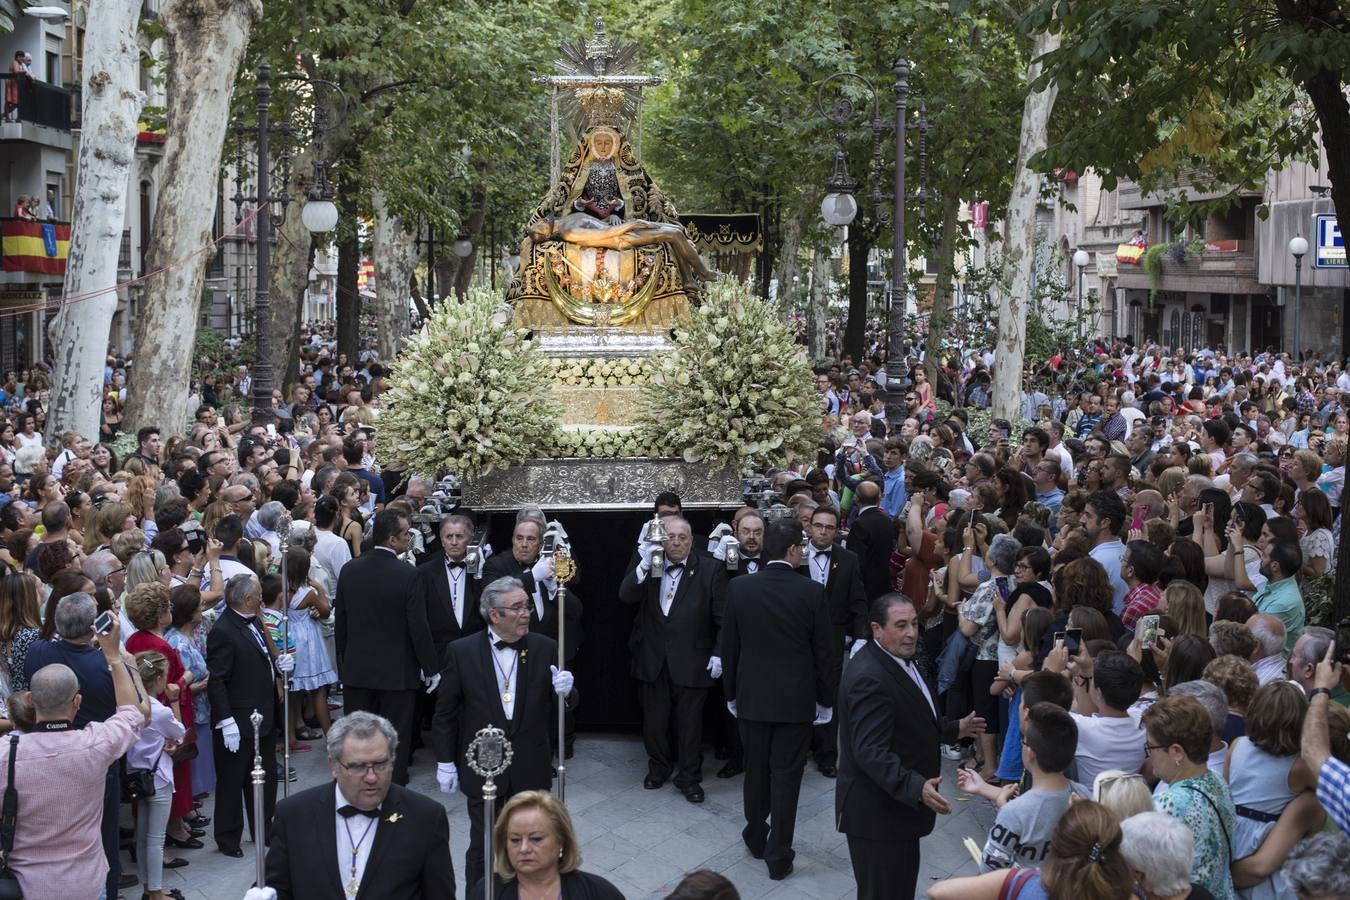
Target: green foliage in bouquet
{"points": [[736, 391], [469, 394]]}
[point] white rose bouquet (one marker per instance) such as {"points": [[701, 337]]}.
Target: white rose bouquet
{"points": [[469, 394], [737, 391]]}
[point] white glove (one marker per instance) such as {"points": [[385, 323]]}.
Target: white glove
{"points": [[261, 893], [857, 645], [285, 663], [229, 731], [431, 682], [715, 666], [562, 681], [540, 569], [720, 551], [731, 708], [823, 715], [447, 776]]}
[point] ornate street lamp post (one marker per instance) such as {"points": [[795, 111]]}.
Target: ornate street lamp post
{"points": [[319, 215], [840, 207]]}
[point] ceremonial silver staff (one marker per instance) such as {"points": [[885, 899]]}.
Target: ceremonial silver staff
{"points": [[259, 777], [283, 547], [564, 570], [489, 755]]}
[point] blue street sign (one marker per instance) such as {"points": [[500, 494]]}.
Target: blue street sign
{"points": [[1329, 248]]}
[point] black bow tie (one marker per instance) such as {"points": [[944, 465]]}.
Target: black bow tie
{"points": [[451, 564], [822, 553], [506, 645], [673, 566], [348, 811]]}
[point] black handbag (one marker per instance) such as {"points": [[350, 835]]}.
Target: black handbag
{"points": [[9, 814], [137, 784]]}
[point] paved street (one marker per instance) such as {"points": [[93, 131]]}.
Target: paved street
{"points": [[644, 841]]}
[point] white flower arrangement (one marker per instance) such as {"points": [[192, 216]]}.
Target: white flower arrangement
{"points": [[596, 442], [601, 372], [469, 393], [736, 391]]}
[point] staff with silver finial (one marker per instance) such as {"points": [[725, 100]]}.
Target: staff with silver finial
{"points": [[564, 570], [489, 755], [283, 548], [259, 777]]}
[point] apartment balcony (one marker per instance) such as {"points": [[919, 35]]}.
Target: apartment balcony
{"points": [[1224, 267], [35, 112], [1193, 185]]}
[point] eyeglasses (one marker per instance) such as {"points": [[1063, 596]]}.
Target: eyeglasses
{"points": [[379, 767], [514, 610], [1149, 748]]}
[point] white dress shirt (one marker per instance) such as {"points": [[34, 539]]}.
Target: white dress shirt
{"points": [[818, 565], [352, 834], [1269, 668], [505, 665], [670, 583], [912, 671], [455, 579]]}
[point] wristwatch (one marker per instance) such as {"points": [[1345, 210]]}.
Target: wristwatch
{"points": [[1315, 691]]}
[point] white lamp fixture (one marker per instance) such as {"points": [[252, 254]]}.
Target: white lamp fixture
{"points": [[462, 247], [47, 13], [838, 209], [1298, 245], [319, 216], [1081, 258]]}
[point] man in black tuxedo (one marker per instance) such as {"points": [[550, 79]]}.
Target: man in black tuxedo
{"points": [[779, 659], [886, 797], [449, 589], [360, 835], [675, 654], [242, 670], [526, 563], [748, 530], [384, 647], [504, 677], [872, 538], [836, 569]]}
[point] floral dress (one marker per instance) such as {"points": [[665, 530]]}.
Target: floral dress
{"points": [[1205, 806], [16, 654]]}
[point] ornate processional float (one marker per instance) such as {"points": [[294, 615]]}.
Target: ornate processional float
{"points": [[620, 365]]}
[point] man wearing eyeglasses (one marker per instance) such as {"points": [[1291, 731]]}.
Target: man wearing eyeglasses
{"points": [[504, 677], [383, 833]]}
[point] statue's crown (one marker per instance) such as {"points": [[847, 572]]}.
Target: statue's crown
{"points": [[602, 105]]}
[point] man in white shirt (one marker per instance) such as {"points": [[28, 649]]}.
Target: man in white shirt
{"points": [[1103, 521], [1103, 690], [1268, 658], [342, 822]]}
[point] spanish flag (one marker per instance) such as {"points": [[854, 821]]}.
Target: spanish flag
{"points": [[1129, 253], [29, 246]]}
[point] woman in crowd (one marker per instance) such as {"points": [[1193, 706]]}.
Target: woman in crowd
{"points": [[19, 626], [151, 753], [185, 606], [1179, 731], [1159, 850], [1085, 863], [537, 854]]}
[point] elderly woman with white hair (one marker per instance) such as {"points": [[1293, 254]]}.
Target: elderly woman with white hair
{"points": [[1158, 850], [1316, 868], [978, 622]]}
